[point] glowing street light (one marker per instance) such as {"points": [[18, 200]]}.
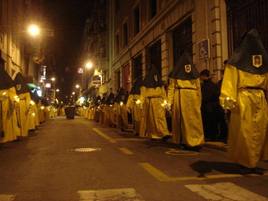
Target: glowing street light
{"points": [[33, 30], [73, 93], [77, 86], [57, 90], [53, 79], [89, 65]]}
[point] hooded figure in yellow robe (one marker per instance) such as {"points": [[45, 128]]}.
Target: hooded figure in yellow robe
{"points": [[34, 117], [133, 105], [184, 95], [109, 119], [24, 104], [97, 105], [153, 95], [244, 90], [122, 113], [102, 108], [8, 121]]}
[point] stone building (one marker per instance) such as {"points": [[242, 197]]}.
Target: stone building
{"points": [[15, 49], [144, 32], [95, 45]]}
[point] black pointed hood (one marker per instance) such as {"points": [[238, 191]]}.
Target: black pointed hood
{"points": [[250, 50], [152, 78], [121, 96], [136, 88], [110, 99], [20, 84], [97, 100], [35, 97], [184, 69], [5, 80]]}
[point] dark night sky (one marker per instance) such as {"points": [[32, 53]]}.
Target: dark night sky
{"points": [[67, 19]]}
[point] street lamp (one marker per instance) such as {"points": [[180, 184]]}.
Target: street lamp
{"points": [[53, 79], [77, 86], [57, 90], [73, 93], [89, 65], [33, 30]]}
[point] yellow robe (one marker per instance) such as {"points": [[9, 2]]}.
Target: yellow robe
{"points": [[135, 110], [122, 116], [6, 117], [153, 122], [15, 121], [24, 115], [8, 114], [116, 115], [244, 94], [41, 112], [185, 98]]}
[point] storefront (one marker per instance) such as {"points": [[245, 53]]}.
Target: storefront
{"points": [[154, 56], [182, 39], [136, 67]]}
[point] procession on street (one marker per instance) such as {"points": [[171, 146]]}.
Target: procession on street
{"points": [[145, 110]]}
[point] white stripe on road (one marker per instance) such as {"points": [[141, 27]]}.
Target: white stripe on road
{"points": [[5, 197], [103, 135], [225, 191], [129, 194]]}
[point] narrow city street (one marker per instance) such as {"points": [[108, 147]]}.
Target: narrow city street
{"points": [[72, 160]]}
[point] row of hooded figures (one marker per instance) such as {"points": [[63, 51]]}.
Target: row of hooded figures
{"points": [[20, 110], [243, 93]]}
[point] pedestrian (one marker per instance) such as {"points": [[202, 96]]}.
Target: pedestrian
{"points": [[209, 104], [184, 97], [244, 90], [222, 115], [153, 95]]}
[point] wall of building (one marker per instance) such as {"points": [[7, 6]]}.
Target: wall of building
{"points": [[208, 27], [95, 41], [14, 15]]}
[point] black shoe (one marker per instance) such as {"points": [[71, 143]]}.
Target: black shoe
{"points": [[245, 170], [166, 138]]}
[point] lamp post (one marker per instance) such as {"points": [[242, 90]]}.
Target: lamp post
{"points": [[88, 66], [34, 30]]}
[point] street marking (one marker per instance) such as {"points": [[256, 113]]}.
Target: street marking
{"points": [[86, 149], [162, 177], [103, 135], [177, 152], [131, 139], [225, 191], [5, 197], [156, 173], [128, 194], [126, 151]]}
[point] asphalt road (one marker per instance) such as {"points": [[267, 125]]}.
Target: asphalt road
{"points": [[72, 160]]}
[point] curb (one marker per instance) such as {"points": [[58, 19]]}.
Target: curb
{"points": [[217, 145]]}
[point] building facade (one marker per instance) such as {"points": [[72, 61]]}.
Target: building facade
{"points": [[157, 32], [95, 46], [17, 52]]}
